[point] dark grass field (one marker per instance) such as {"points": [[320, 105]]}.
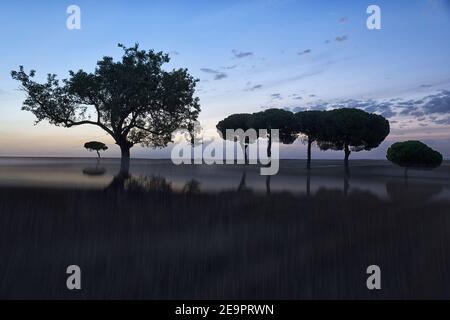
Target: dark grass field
{"points": [[222, 232]]}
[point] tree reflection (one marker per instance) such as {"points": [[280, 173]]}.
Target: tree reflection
{"points": [[243, 183], [94, 171], [191, 187], [412, 192]]}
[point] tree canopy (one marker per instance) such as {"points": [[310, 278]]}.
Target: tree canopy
{"points": [[96, 146], [352, 129], [280, 119], [414, 154], [237, 121], [134, 99]]}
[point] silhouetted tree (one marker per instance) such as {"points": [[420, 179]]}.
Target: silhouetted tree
{"points": [[352, 129], [413, 154], [280, 119], [134, 99], [96, 146], [235, 122], [310, 124], [192, 134]]}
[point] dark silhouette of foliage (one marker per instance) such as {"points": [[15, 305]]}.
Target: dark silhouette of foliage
{"points": [[235, 122], [352, 129], [134, 99], [280, 119], [310, 124], [413, 154], [96, 146]]}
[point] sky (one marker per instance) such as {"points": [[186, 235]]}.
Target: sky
{"points": [[249, 55]]}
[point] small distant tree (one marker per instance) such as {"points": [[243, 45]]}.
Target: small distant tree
{"points": [[280, 119], [413, 154], [310, 124], [352, 129], [96, 146], [237, 121]]}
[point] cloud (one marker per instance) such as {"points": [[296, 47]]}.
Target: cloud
{"points": [[372, 106], [341, 38], [302, 76], [431, 109], [426, 86], [435, 104], [230, 67], [343, 20], [276, 96], [439, 104], [218, 75], [443, 121], [304, 52], [241, 54], [256, 87]]}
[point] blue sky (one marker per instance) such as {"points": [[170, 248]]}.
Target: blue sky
{"points": [[249, 55]]}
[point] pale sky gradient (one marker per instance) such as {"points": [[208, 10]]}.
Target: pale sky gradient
{"points": [[249, 55]]}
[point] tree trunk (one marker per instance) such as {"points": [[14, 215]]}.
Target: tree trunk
{"points": [[308, 161], [245, 154], [308, 184], [125, 160], [269, 146], [347, 154]]}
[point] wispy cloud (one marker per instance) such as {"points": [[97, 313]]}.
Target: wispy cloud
{"points": [[304, 52], [341, 38], [241, 54], [218, 75], [255, 87], [230, 67], [276, 96]]}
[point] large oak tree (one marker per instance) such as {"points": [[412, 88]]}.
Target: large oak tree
{"points": [[134, 99]]}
